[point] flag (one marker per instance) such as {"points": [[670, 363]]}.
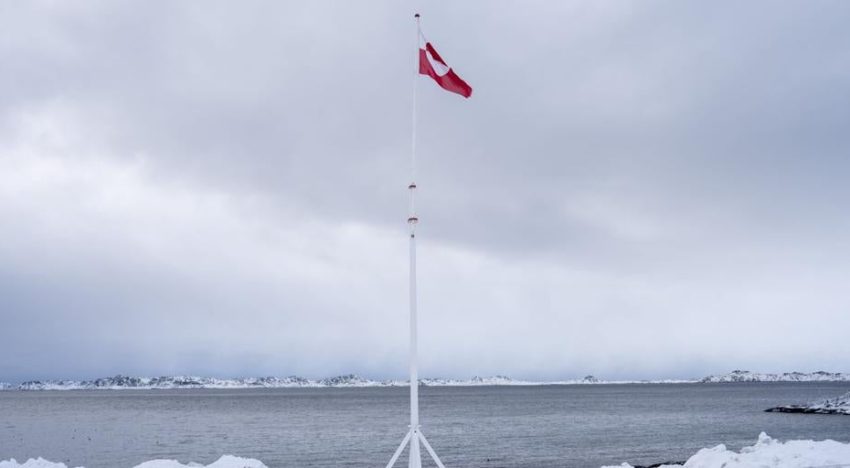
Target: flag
{"points": [[431, 64]]}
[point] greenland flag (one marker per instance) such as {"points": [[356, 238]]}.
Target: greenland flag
{"points": [[431, 64]]}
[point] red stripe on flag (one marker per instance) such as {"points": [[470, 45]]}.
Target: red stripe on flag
{"points": [[446, 77]]}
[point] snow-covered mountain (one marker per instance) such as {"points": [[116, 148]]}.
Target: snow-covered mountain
{"points": [[747, 376], [169, 382], [343, 381], [475, 381], [119, 382], [351, 380]]}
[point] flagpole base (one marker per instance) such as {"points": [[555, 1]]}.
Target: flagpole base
{"points": [[413, 438]]}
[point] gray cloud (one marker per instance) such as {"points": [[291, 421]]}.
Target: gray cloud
{"points": [[635, 189]]}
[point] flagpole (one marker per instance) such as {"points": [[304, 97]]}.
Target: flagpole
{"points": [[414, 436], [415, 459]]}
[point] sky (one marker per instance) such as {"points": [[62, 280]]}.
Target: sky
{"points": [[636, 189]]}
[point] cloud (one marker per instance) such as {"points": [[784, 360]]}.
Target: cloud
{"points": [[635, 190]]}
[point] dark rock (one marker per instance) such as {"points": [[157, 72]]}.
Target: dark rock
{"points": [[805, 410], [660, 464]]}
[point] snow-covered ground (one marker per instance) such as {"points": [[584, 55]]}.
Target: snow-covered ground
{"points": [[838, 405], [771, 453], [227, 461], [766, 453]]}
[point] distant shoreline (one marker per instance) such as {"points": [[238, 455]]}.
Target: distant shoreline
{"points": [[120, 382]]}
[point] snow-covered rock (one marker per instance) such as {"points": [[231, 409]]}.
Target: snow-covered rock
{"points": [[747, 376], [770, 453], [838, 405]]}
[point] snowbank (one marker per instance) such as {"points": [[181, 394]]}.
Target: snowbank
{"points": [[769, 452], [227, 461], [766, 453], [839, 405], [31, 463]]}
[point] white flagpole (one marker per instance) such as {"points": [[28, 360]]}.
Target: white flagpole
{"points": [[414, 436], [415, 460]]}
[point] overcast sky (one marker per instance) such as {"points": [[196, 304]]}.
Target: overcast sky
{"points": [[635, 189]]}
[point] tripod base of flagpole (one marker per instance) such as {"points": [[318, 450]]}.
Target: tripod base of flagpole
{"points": [[414, 437]]}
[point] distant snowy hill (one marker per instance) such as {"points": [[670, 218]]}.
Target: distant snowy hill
{"points": [[747, 376], [119, 382], [351, 380], [170, 382]]}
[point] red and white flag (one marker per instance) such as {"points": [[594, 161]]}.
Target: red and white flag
{"points": [[431, 64]]}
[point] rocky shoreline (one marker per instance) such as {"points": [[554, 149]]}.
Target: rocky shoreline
{"points": [[838, 405]]}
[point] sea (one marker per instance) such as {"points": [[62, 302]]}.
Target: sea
{"points": [[489, 426]]}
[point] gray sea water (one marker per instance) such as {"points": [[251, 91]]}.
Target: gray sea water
{"points": [[509, 427]]}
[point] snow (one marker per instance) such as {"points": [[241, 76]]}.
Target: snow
{"points": [[227, 461], [31, 463], [766, 453], [838, 405], [771, 453]]}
